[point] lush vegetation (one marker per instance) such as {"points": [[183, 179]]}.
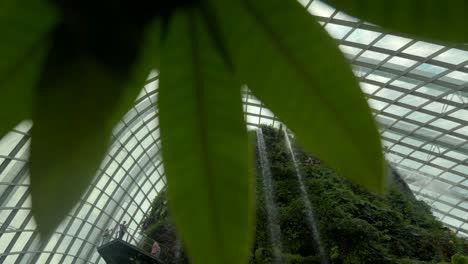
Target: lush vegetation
{"points": [[356, 226]]}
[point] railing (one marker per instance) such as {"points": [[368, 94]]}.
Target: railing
{"points": [[8, 227], [134, 237]]}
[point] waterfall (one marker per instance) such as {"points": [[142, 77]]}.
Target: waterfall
{"points": [[272, 215], [178, 251], [310, 216]]}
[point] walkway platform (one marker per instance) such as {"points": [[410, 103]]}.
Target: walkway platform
{"points": [[118, 251]]}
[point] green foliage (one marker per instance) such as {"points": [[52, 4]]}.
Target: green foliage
{"points": [[158, 225], [282, 77], [410, 261], [459, 259], [80, 127], [24, 25], [75, 67], [211, 204], [357, 226], [75, 94]]}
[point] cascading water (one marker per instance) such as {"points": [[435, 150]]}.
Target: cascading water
{"points": [[272, 215], [308, 205], [178, 251]]}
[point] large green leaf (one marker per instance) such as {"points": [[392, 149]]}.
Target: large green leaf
{"points": [[148, 60], [294, 67], [433, 19], [79, 101], [24, 25], [204, 145]]}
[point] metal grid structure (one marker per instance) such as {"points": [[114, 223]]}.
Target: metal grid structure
{"points": [[129, 178], [418, 93]]}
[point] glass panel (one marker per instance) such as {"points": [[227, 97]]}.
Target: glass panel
{"points": [[349, 52], [428, 70], [368, 88], [456, 77], [444, 124], [412, 100], [388, 93], [397, 110], [319, 8], [337, 31], [398, 63], [422, 49], [346, 17], [372, 57], [392, 42], [363, 36], [453, 56]]}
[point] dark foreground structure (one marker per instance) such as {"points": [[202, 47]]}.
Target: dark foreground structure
{"points": [[120, 252]]}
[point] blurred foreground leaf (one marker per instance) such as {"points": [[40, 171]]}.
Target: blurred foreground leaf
{"points": [[295, 68], [432, 19], [205, 146], [80, 99], [24, 25]]}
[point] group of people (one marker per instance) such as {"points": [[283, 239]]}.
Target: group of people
{"points": [[155, 249], [107, 233]]}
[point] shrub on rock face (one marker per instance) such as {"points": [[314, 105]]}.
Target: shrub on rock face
{"points": [[459, 259]]}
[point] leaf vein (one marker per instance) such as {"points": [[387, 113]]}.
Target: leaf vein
{"points": [[200, 102]]}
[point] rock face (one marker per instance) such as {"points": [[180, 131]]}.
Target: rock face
{"points": [[398, 180]]}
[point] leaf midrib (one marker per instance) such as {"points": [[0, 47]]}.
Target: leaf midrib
{"points": [[291, 60], [15, 67], [199, 101]]}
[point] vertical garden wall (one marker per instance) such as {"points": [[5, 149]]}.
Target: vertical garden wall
{"points": [[355, 225]]}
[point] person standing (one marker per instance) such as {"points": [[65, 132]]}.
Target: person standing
{"points": [[105, 236], [155, 249], [122, 229]]}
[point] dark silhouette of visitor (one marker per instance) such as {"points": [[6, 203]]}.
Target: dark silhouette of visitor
{"points": [[122, 230], [105, 236]]}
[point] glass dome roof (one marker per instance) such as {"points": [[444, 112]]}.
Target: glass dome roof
{"points": [[418, 93]]}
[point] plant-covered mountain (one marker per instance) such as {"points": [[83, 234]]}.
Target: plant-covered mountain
{"points": [[356, 226]]}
